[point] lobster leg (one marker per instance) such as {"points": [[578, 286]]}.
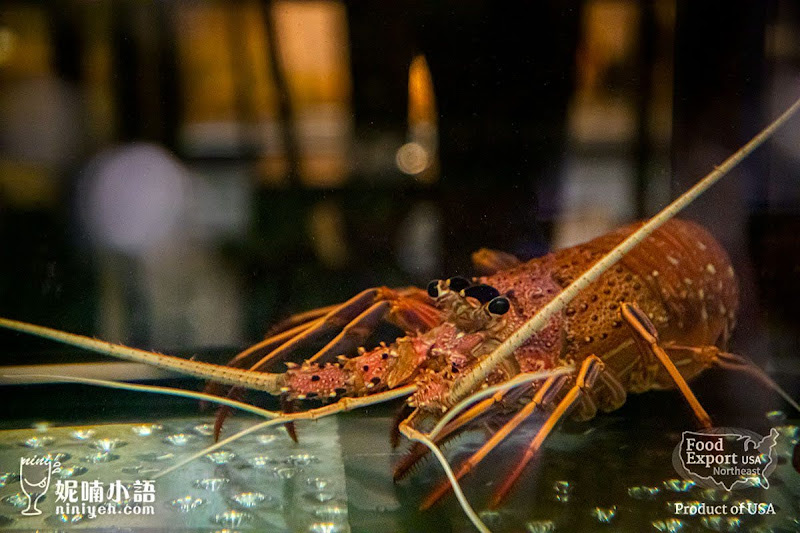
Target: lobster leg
{"points": [[408, 310], [705, 356], [300, 319], [270, 343], [291, 327], [545, 395], [358, 317], [713, 356], [591, 368], [242, 358], [418, 450], [353, 334], [646, 337]]}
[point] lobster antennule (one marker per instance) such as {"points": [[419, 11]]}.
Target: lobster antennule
{"points": [[167, 391], [271, 383]]}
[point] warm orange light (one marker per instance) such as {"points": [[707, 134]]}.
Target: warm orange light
{"points": [[421, 100], [418, 156]]}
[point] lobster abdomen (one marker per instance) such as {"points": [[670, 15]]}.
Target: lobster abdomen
{"points": [[680, 277]]}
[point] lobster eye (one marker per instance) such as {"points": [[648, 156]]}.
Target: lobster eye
{"points": [[433, 289], [482, 293], [458, 284], [499, 306]]}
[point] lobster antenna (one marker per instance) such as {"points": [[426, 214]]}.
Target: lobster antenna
{"points": [[344, 404], [224, 442], [743, 364], [470, 381], [263, 381]]}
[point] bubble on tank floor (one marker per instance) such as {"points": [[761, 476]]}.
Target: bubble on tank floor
{"points": [[613, 473], [226, 488]]}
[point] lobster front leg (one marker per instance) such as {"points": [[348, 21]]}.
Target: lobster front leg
{"points": [[244, 357], [544, 396], [357, 318], [299, 319], [591, 368], [408, 309], [418, 450], [355, 333]]}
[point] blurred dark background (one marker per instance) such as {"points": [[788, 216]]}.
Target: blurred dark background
{"points": [[178, 175]]}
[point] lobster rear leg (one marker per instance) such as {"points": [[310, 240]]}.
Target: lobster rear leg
{"points": [[701, 356], [593, 370], [583, 404], [707, 356], [646, 337]]}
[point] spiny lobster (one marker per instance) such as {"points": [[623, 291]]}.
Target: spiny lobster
{"points": [[570, 332]]}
